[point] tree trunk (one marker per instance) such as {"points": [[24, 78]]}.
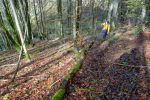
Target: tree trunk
{"points": [[143, 13], [8, 34], [74, 20], [69, 11], [36, 19], [78, 14], [59, 9], [113, 12], [19, 29], [44, 18], [93, 15], [78, 40], [27, 17], [16, 40], [25, 20], [41, 16], [147, 3]]}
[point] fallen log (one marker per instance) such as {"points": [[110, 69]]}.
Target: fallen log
{"points": [[66, 80]]}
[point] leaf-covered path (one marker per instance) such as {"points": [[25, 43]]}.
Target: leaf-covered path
{"points": [[113, 73]]}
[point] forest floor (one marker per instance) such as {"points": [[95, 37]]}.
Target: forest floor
{"points": [[51, 61], [40, 78], [112, 73], [120, 71]]}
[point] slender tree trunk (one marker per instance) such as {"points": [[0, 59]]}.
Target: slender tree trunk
{"points": [[15, 36], [78, 16], [122, 13], [27, 17], [44, 18], [36, 18], [8, 34], [92, 13], [6, 41], [24, 18], [19, 29], [59, 9], [110, 11], [69, 2], [74, 20], [113, 12], [143, 13], [41, 16], [147, 3]]}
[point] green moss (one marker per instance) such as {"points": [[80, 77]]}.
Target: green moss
{"points": [[75, 68], [77, 55], [11, 86], [68, 77], [59, 95], [26, 56]]}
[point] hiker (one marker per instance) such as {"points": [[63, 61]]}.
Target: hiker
{"points": [[105, 29]]}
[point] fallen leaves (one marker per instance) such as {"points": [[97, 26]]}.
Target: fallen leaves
{"points": [[104, 76]]}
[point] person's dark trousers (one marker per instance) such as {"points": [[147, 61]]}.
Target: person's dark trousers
{"points": [[104, 34]]}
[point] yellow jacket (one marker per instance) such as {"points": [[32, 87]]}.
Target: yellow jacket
{"points": [[106, 27]]}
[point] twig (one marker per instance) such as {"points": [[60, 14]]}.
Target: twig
{"points": [[56, 82], [8, 65], [20, 54], [18, 64]]}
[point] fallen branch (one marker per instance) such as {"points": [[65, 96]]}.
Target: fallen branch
{"points": [[8, 65], [56, 81]]}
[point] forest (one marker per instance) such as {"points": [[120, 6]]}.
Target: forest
{"points": [[74, 49]]}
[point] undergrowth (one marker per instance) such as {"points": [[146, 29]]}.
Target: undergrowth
{"points": [[136, 30]]}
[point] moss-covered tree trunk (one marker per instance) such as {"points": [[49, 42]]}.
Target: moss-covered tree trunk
{"points": [[78, 40], [8, 25]]}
